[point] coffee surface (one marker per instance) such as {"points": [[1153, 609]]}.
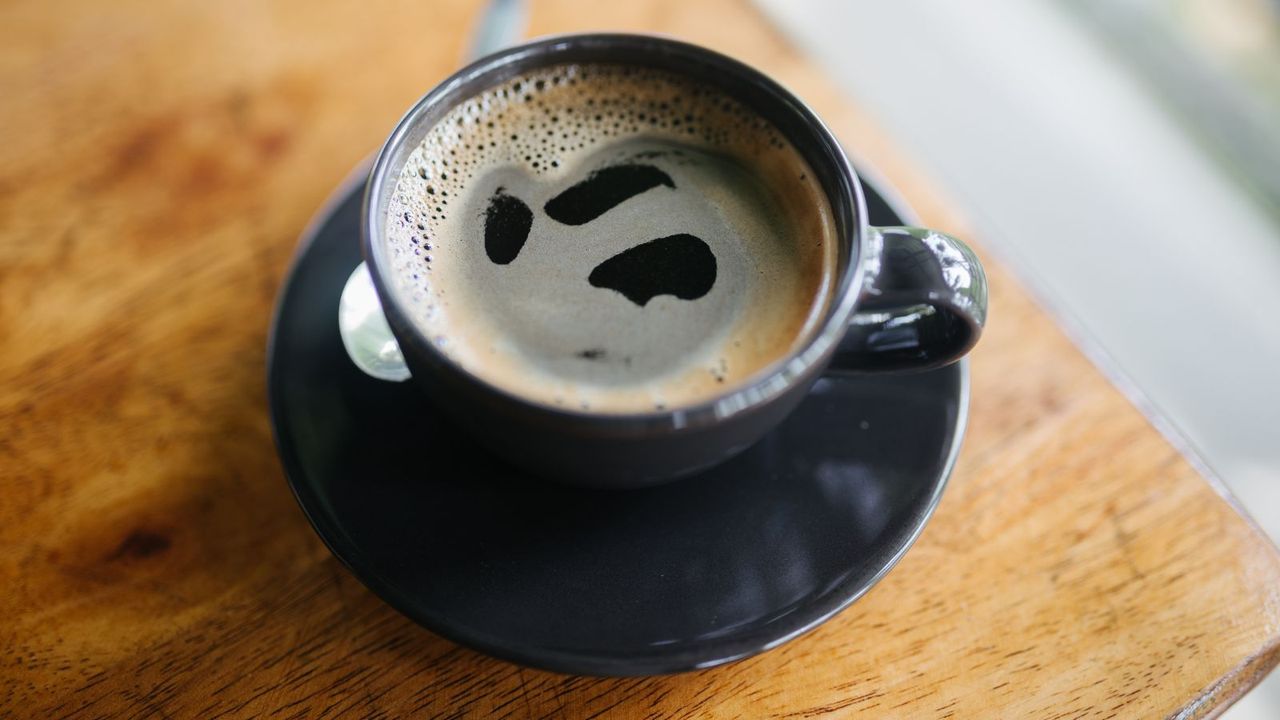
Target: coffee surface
{"points": [[610, 239]]}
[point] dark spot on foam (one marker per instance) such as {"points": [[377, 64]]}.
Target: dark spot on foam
{"points": [[680, 265], [591, 354], [603, 190], [506, 227]]}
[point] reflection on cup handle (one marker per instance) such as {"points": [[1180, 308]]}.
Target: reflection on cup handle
{"points": [[923, 303], [364, 330]]}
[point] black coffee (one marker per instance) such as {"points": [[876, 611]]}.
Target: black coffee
{"points": [[611, 238]]}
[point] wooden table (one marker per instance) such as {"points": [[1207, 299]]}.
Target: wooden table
{"points": [[157, 166]]}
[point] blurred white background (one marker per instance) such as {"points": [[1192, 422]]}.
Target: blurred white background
{"points": [[1124, 157]]}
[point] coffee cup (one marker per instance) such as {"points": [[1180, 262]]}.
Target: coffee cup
{"points": [[619, 259]]}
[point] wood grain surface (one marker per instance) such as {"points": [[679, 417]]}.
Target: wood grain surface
{"points": [[157, 165]]}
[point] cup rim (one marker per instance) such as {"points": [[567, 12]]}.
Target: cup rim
{"points": [[848, 205]]}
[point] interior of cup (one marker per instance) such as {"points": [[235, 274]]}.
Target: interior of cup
{"points": [[807, 134]]}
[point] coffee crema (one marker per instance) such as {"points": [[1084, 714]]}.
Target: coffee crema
{"points": [[611, 239]]}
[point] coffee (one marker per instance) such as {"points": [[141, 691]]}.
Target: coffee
{"points": [[610, 238]]}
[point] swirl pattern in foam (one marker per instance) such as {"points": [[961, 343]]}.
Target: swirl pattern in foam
{"points": [[610, 238]]}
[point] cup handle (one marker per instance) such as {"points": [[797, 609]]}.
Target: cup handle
{"points": [[923, 303], [365, 333]]}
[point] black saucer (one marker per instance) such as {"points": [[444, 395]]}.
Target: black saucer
{"points": [[608, 582]]}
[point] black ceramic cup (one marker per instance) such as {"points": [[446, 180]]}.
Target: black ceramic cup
{"points": [[906, 298]]}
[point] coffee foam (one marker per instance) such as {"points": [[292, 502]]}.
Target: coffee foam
{"points": [[535, 326]]}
